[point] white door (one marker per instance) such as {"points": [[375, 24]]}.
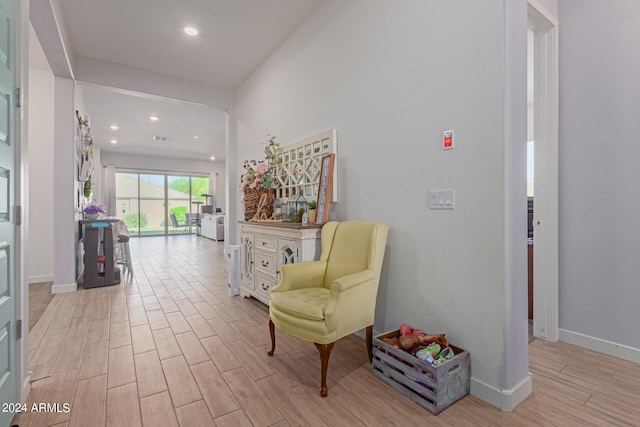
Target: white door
{"points": [[545, 135], [8, 288]]}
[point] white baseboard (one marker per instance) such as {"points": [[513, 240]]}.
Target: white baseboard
{"points": [[505, 400], [63, 289], [41, 279], [26, 387], [601, 346]]}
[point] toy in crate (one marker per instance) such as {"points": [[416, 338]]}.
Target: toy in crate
{"points": [[425, 368]]}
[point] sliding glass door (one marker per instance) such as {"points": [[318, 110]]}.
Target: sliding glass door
{"points": [[160, 204], [179, 205], [151, 202]]}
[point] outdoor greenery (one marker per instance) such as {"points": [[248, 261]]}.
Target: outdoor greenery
{"points": [[132, 221], [180, 212], [199, 186]]}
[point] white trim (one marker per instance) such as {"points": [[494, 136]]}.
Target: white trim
{"points": [[23, 381], [41, 279], [545, 288], [512, 398], [63, 289], [505, 400], [543, 11], [601, 346], [26, 387]]}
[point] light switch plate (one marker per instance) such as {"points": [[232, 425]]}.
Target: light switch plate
{"points": [[442, 199]]}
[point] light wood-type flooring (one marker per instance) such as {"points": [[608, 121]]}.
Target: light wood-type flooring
{"points": [[171, 348], [39, 298]]}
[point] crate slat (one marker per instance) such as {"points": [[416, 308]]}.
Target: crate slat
{"points": [[403, 367], [449, 383], [407, 393]]}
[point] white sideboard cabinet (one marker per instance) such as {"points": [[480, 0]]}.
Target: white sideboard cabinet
{"points": [[212, 226], [265, 247]]}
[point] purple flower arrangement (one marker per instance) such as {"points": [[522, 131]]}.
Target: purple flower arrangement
{"points": [[94, 209]]}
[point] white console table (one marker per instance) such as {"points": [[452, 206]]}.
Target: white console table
{"points": [[265, 247], [212, 226]]}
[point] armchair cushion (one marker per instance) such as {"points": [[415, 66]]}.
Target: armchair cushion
{"points": [[307, 303]]}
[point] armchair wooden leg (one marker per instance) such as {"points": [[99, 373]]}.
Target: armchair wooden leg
{"points": [[325, 351], [272, 331], [370, 342]]}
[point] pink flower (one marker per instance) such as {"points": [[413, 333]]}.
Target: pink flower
{"points": [[245, 178], [253, 185], [258, 180], [262, 168]]}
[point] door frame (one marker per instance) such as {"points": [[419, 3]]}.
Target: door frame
{"points": [[545, 212]]}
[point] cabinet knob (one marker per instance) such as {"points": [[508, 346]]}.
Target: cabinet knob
{"points": [[264, 243], [265, 264], [265, 287]]}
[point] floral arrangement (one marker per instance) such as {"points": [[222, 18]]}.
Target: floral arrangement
{"points": [[94, 209], [263, 175], [85, 127]]}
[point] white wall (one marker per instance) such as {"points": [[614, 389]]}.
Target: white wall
{"points": [[40, 152], [128, 161], [65, 213], [391, 78], [599, 151]]}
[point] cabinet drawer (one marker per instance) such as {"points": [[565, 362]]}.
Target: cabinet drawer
{"points": [[265, 243], [266, 263], [264, 283]]}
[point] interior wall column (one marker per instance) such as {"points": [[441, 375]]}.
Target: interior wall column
{"points": [[65, 230]]}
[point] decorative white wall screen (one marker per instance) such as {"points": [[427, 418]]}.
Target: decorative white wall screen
{"points": [[298, 165]]}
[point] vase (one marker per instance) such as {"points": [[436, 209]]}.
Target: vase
{"points": [[92, 215], [312, 216]]}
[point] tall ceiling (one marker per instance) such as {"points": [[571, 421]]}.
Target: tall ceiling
{"points": [[235, 36]]}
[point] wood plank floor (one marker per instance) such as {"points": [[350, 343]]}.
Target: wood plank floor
{"points": [[170, 348]]}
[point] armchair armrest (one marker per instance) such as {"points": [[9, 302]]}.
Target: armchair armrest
{"points": [[348, 282], [348, 293], [301, 275]]}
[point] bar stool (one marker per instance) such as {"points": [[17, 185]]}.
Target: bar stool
{"points": [[124, 253]]}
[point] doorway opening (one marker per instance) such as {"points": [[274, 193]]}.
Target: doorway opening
{"points": [[543, 206]]}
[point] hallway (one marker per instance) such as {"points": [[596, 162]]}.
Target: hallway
{"points": [[171, 348]]}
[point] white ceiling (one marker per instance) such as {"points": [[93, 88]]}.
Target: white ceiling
{"points": [[235, 37], [179, 122]]}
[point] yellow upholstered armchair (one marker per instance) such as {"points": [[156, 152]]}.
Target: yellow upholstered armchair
{"points": [[323, 301]]}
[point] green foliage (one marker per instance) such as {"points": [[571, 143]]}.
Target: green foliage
{"points": [[132, 221], [87, 188], [264, 172], [180, 212], [311, 204], [199, 185]]}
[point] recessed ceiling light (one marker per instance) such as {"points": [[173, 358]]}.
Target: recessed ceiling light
{"points": [[191, 31], [113, 141], [154, 118], [114, 127], [195, 137], [212, 158]]}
